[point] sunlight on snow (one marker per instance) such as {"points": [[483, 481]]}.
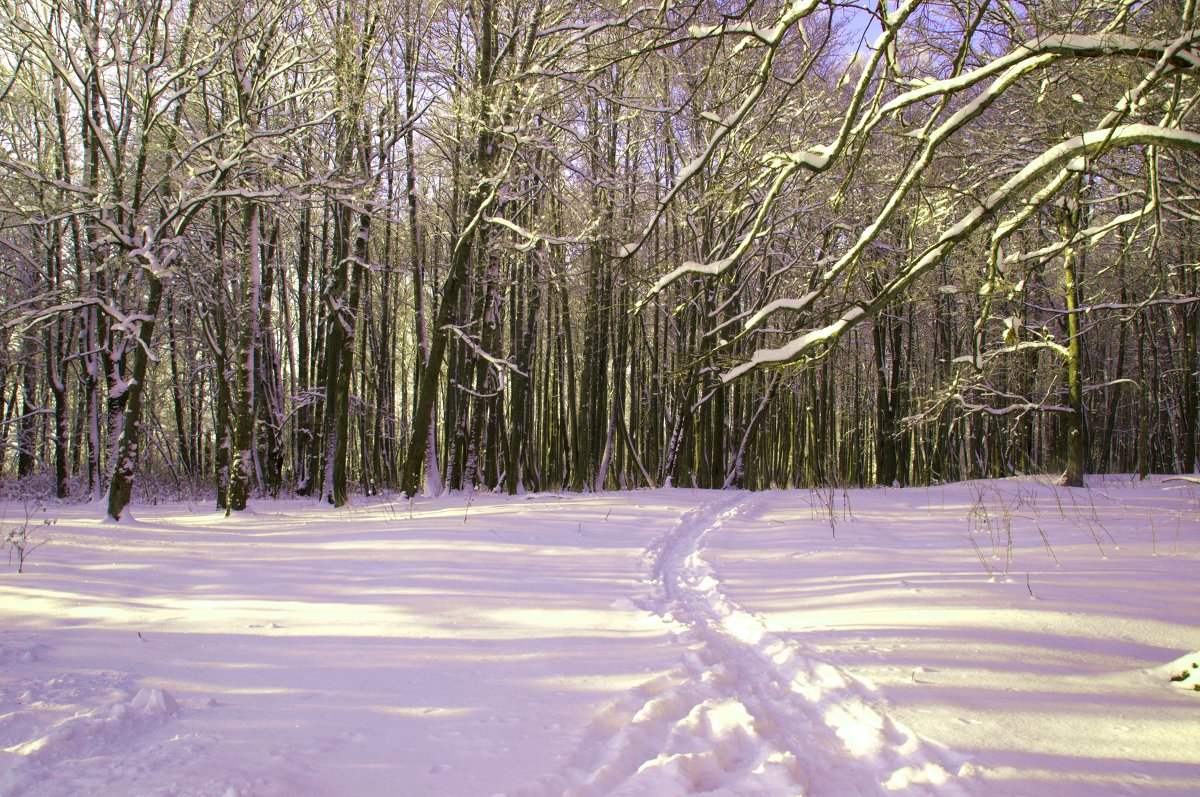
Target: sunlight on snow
{"points": [[567, 622]]}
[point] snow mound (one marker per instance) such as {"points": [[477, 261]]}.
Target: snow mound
{"points": [[88, 727], [58, 738], [21, 651], [1183, 672], [153, 701]]}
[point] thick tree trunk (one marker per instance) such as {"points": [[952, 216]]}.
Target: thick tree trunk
{"points": [[305, 429], [56, 379], [245, 365], [339, 349], [270, 390], [120, 489]]}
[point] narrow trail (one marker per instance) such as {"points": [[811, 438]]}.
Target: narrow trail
{"points": [[747, 712]]}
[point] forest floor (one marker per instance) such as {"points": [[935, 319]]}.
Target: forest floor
{"points": [[987, 638]]}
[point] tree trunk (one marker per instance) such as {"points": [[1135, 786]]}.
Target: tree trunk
{"points": [[1073, 476], [120, 489], [245, 364]]}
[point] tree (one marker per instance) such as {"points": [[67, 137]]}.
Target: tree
{"points": [[995, 53], [374, 247]]}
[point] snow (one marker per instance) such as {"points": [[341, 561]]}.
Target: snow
{"points": [[795, 348], [997, 637]]}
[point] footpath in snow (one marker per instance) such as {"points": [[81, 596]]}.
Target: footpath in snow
{"points": [[749, 712], [989, 638]]}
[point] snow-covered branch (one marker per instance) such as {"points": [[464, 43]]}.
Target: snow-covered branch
{"points": [[1090, 145], [500, 366]]}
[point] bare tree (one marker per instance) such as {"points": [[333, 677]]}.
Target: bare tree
{"points": [[924, 109]]}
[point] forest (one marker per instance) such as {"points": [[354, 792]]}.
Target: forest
{"points": [[393, 246]]}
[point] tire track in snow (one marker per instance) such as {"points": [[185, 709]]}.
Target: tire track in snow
{"points": [[748, 712]]}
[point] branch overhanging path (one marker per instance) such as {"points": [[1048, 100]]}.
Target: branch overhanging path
{"points": [[1067, 157]]}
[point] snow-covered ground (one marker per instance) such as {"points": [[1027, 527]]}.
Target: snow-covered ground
{"points": [[989, 638]]}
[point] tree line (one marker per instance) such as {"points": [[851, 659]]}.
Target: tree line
{"points": [[368, 246]]}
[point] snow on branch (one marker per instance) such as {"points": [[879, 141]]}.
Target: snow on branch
{"points": [[1004, 72], [1043, 344], [1096, 307], [1088, 236], [799, 347], [1020, 408], [499, 365], [532, 239], [1176, 52], [1090, 144], [815, 159], [771, 40], [718, 267]]}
